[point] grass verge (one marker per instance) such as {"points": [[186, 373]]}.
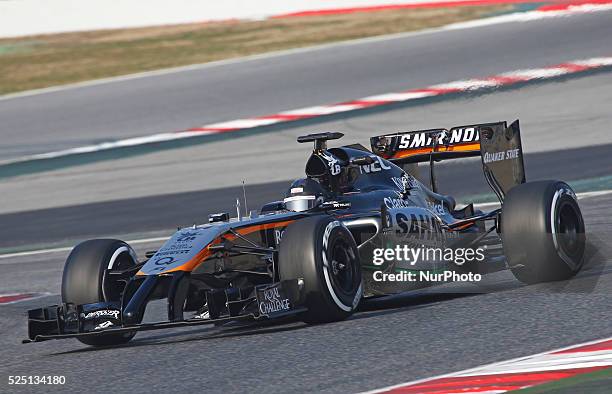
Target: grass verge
{"points": [[48, 60], [594, 383]]}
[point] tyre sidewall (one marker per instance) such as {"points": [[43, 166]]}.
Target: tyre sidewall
{"points": [[306, 252], [85, 281], [336, 234], [529, 234]]}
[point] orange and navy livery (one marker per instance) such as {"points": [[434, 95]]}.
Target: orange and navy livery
{"points": [[206, 252], [189, 247], [421, 145]]}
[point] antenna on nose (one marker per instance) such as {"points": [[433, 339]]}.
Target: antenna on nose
{"points": [[246, 209]]}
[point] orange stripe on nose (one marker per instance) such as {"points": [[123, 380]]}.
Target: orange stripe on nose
{"points": [[196, 260]]}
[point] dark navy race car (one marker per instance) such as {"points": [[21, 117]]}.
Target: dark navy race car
{"points": [[335, 238]]}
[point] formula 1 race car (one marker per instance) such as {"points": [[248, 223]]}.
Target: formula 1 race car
{"points": [[335, 239]]}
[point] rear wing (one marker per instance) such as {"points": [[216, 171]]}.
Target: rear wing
{"points": [[498, 145]]}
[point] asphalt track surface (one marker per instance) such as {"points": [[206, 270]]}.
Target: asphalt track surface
{"points": [[179, 101], [391, 340]]}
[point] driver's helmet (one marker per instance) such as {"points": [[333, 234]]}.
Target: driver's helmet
{"points": [[304, 194]]}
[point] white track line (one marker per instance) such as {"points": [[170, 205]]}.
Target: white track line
{"points": [[69, 248], [498, 366], [505, 79], [580, 196], [531, 16]]}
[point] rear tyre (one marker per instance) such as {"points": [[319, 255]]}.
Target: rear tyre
{"points": [[86, 280], [543, 232], [322, 252]]}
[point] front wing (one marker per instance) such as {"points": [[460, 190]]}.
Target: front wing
{"points": [[78, 321]]}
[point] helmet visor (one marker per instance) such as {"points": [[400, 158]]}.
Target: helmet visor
{"points": [[300, 203]]}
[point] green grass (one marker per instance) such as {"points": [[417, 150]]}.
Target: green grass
{"points": [[592, 383], [47, 60]]}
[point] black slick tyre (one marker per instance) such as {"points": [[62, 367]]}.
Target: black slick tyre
{"points": [[86, 280], [543, 232], [322, 252]]}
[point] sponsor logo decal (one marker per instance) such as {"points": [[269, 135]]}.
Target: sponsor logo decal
{"points": [[172, 252], [397, 203], [272, 301], [427, 139], [161, 263], [181, 244], [332, 162], [436, 207], [335, 204], [278, 236], [104, 325], [328, 231], [377, 166], [419, 226], [500, 156], [203, 315], [358, 296], [187, 237], [101, 313], [570, 192], [405, 182]]}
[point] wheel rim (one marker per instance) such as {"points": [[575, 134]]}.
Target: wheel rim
{"points": [[343, 266], [113, 289], [569, 229]]}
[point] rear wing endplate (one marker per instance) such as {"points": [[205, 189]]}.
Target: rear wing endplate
{"points": [[498, 145]]}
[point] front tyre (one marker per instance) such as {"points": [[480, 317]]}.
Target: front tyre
{"points": [[322, 252], [86, 279], [543, 232]]}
